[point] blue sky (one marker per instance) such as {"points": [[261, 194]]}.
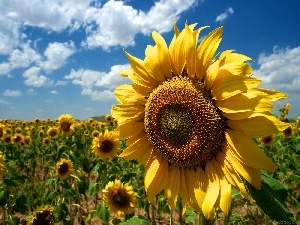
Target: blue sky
{"points": [[63, 56]]}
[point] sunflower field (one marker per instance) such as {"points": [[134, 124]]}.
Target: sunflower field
{"points": [[192, 141]]}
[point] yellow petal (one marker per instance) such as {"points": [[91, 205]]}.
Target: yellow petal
{"points": [[152, 64], [163, 54], [192, 181], [183, 190], [272, 94], [247, 151], [127, 130], [172, 186], [212, 191], [237, 68], [183, 50], [126, 94], [126, 113], [259, 126], [225, 188], [211, 74], [155, 177], [207, 50], [201, 187], [227, 85], [252, 175], [233, 57]]}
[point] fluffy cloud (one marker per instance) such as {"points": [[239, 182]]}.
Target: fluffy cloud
{"points": [[35, 79], [57, 54], [112, 24], [280, 70], [12, 93], [223, 16], [90, 79], [118, 24]]}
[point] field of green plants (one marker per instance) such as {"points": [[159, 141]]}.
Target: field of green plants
{"points": [[51, 176]]}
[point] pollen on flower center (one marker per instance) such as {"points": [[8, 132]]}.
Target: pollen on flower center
{"points": [[106, 146], [63, 168], [119, 199], [183, 123]]}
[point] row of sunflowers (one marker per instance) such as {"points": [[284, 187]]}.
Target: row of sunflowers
{"points": [[186, 137]]}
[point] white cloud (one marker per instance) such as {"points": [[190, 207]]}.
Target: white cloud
{"points": [[54, 92], [118, 24], [9, 33], [31, 91], [223, 16], [12, 93], [89, 79], [103, 96], [33, 78], [57, 54], [280, 70]]}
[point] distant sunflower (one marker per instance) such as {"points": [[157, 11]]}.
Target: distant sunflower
{"points": [[2, 163], [2, 131], [64, 168], [18, 138], [95, 133], [120, 198], [7, 139], [108, 118], [66, 124], [27, 140], [53, 132], [106, 145], [43, 217], [46, 141], [267, 140], [288, 132], [190, 117]]}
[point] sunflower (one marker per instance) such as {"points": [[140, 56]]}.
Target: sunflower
{"points": [[53, 132], [27, 140], [108, 118], [106, 145], [120, 198], [64, 168], [44, 216], [288, 132], [2, 163], [66, 124], [18, 138], [267, 140], [190, 117]]}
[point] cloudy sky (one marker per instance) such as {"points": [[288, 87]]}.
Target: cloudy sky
{"points": [[63, 56]]}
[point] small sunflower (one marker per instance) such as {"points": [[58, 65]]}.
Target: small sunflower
{"points": [[66, 124], [267, 140], [27, 140], [64, 168], [44, 216], [7, 139], [95, 133], [120, 198], [46, 141], [288, 132], [190, 117], [106, 145], [18, 138], [53, 132], [2, 163], [108, 118]]}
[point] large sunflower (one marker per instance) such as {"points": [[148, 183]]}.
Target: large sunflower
{"points": [[190, 118], [120, 198], [64, 168], [66, 124]]}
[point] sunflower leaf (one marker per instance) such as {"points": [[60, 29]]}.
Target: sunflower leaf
{"points": [[271, 199], [136, 221]]}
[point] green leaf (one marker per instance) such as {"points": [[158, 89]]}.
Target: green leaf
{"points": [[4, 195], [9, 182], [190, 216], [271, 199], [86, 165], [20, 204], [61, 211], [102, 212], [93, 188], [13, 221], [136, 221]]}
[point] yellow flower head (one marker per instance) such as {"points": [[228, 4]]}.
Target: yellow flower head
{"points": [[267, 140], [64, 168], [288, 132], [190, 117], [53, 132], [108, 118], [43, 216], [120, 198], [66, 124], [2, 163], [106, 145], [18, 138], [27, 140]]}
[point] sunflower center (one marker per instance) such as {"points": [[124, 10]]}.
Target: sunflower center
{"points": [[119, 199], [176, 121], [183, 123], [63, 168], [65, 126], [106, 146]]}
